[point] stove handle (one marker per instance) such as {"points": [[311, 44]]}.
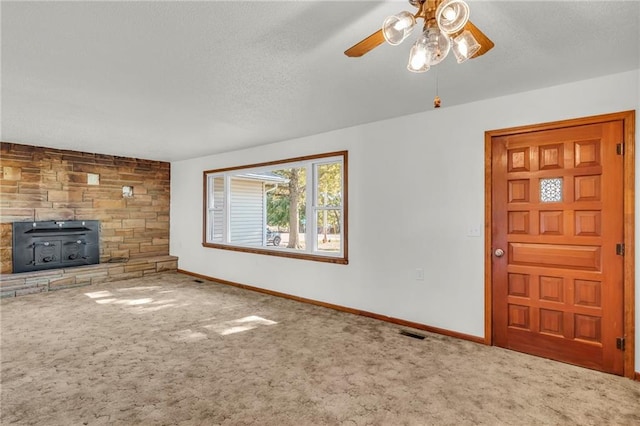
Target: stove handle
{"points": [[45, 244]]}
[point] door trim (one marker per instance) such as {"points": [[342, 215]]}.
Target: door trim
{"points": [[628, 119]]}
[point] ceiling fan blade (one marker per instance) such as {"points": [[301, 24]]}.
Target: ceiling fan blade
{"points": [[485, 42], [369, 43]]}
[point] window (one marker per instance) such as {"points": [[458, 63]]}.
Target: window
{"points": [[292, 208]]}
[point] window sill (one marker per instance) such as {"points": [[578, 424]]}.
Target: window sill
{"points": [[340, 260]]}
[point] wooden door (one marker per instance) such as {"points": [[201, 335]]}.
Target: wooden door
{"points": [[557, 213]]}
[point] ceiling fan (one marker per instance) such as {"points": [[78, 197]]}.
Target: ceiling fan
{"points": [[446, 27]]}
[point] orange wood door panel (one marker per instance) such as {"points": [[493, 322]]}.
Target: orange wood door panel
{"points": [[557, 213]]}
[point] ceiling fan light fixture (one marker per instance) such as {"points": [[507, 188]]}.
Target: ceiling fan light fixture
{"points": [[446, 27], [452, 16], [464, 46], [398, 27]]}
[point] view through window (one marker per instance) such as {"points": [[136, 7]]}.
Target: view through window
{"points": [[293, 208]]}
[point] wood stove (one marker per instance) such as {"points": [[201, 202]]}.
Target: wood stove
{"points": [[55, 244]]}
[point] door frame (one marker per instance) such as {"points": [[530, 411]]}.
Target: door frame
{"points": [[628, 119]]}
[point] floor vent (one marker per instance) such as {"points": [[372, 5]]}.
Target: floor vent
{"points": [[198, 281], [411, 334]]}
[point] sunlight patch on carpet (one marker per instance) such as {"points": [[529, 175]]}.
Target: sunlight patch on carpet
{"points": [[239, 325], [99, 294], [105, 297]]}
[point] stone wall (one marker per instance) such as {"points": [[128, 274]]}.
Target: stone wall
{"points": [[39, 183]]}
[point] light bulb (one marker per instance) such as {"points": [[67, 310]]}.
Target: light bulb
{"points": [[465, 46], [419, 56], [452, 16], [402, 23], [449, 14], [418, 59], [398, 27]]}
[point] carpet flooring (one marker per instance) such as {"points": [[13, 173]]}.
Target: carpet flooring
{"points": [[167, 350]]}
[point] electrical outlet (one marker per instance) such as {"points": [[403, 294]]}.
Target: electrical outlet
{"points": [[419, 274]]}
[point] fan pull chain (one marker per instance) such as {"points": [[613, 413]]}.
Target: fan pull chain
{"points": [[436, 100]]}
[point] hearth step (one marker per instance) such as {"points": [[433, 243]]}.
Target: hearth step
{"points": [[13, 285]]}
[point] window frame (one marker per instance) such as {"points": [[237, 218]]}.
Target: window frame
{"points": [[311, 162]]}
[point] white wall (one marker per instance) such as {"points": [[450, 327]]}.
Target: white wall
{"points": [[432, 166]]}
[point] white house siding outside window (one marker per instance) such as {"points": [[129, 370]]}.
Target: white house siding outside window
{"points": [[293, 208]]}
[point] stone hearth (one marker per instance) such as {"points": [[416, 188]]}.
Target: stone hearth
{"points": [[13, 285]]}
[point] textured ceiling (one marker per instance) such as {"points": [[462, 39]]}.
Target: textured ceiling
{"points": [[176, 80]]}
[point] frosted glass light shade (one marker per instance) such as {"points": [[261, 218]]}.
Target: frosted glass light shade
{"points": [[452, 16], [465, 46], [398, 27], [438, 45], [419, 56]]}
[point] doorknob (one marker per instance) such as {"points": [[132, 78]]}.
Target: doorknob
{"points": [[499, 252]]}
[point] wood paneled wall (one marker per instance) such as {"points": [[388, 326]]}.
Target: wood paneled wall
{"points": [[39, 183]]}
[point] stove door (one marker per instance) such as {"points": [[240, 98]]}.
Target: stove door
{"points": [[74, 250], [46, 251]]}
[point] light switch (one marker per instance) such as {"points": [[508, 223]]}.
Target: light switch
{"points": [[474, 231]]}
